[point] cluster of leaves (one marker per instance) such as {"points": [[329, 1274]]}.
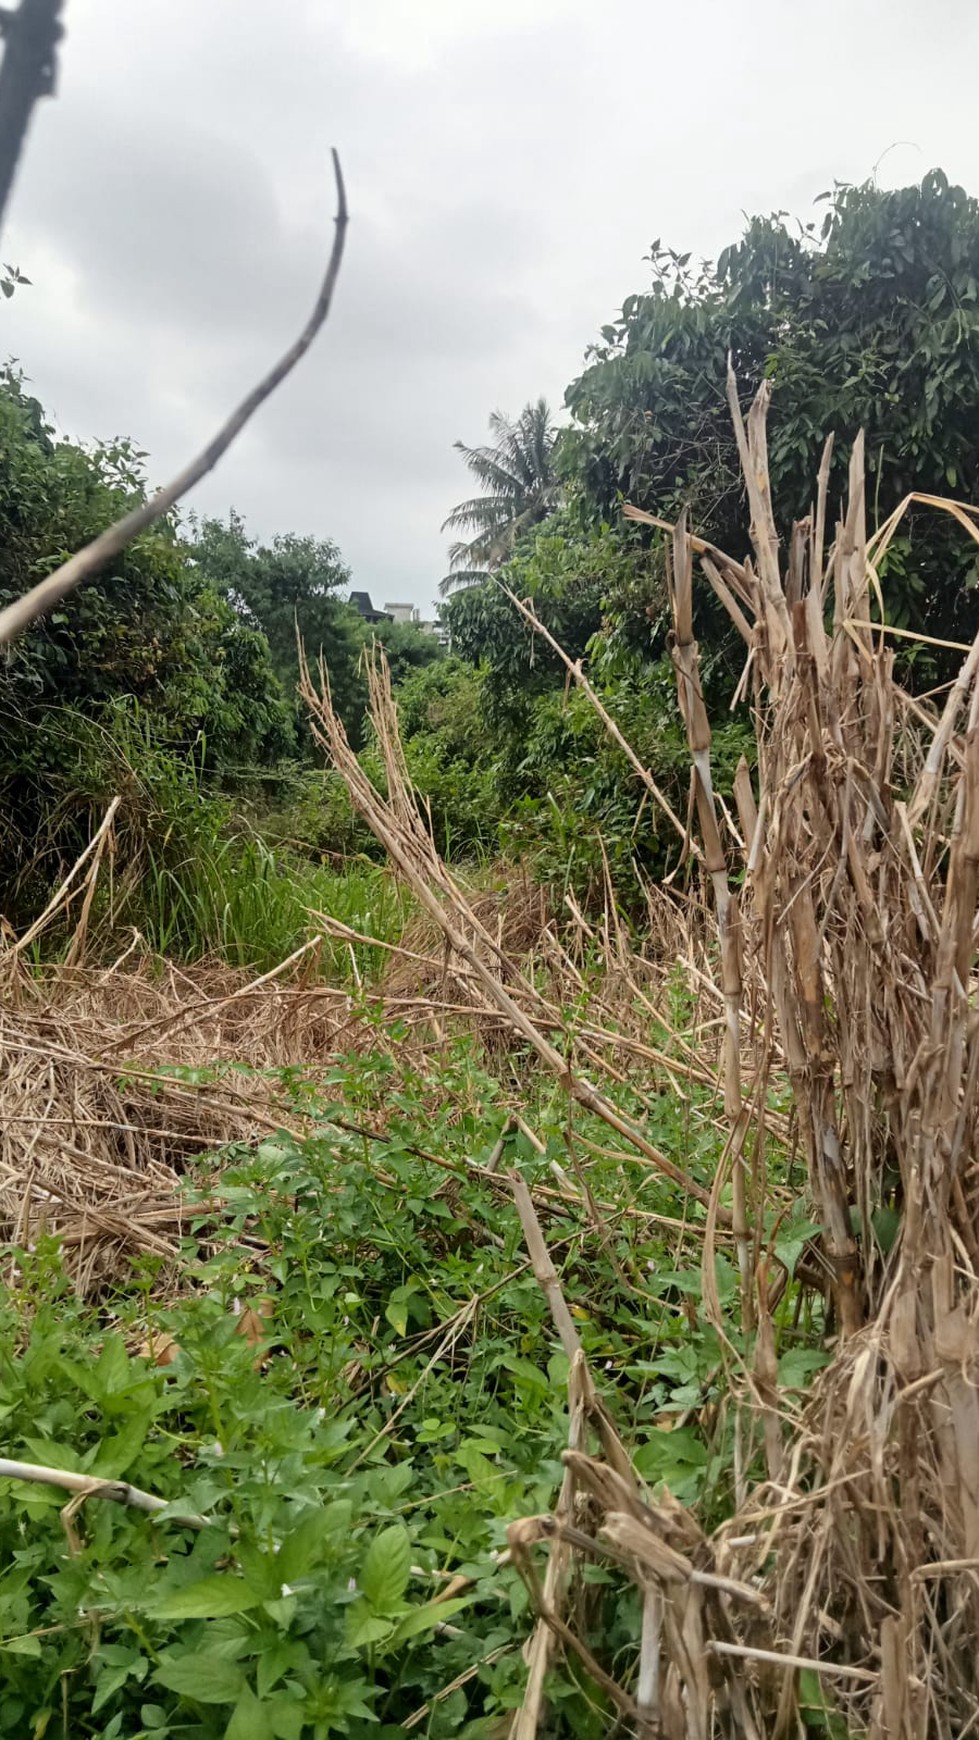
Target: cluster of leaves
{"points": [[872, 323], [358, 1415]]}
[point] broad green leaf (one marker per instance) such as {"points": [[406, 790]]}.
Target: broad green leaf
{"points": [[304, 1546], [22, 1645], [384, 1573], [212, 1598], [362, 1626], [261, 1571], [113, 1370], [206, 1678], [275, 1661], [525, 1371], [119, 1451], [424, 1618], [282, 1611], [108, 1683], [797, 1365], [251, 1719], [288, 1718], [478, 1467], [677, 1458], [792, 1240], [886, 1223]]}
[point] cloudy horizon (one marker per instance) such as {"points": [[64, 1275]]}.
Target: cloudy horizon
{"points": [[508, 166]]}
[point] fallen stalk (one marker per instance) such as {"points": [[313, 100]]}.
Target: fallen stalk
{"points": [[89, 1486]]}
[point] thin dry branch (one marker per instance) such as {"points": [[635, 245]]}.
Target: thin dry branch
{"points": [[87, 562], [686, 662]]}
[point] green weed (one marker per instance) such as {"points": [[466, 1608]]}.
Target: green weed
{"points": [[365, 1389]]}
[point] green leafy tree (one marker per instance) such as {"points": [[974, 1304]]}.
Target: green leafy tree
{"points": [[288, 584], [519, 490], [568, 574], [149, 627], [148, 640], [873, 323], [407, 647], [299, 583]]}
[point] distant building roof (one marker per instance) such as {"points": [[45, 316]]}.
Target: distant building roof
{"points": [[361, 602]]}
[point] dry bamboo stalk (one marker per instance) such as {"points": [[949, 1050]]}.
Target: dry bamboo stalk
{"points": [[547, 1279], [397, 826], [650, 1653], [726, 597], [701, 545], [90, 1486], [686, 656], [753, 451], [817, 556], [792, 1663], [64, 892]]}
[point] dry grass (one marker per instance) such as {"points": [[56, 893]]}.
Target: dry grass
{"points": [[854, 1556], [116, 1079]]}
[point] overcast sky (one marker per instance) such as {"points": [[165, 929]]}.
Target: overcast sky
{"points": [[508, 163]]}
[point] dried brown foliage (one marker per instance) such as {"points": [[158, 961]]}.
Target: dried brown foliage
{"points": [[849, 963], [116, 1079]]}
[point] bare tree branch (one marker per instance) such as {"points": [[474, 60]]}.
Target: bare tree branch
{"points": [[29, 70], [87, 562]]}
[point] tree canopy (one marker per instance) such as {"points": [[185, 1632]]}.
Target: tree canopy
{"points": [[869, 321], [152, 627]]}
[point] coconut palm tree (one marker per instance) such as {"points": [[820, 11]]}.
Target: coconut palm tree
{"points": [[520, 489]]}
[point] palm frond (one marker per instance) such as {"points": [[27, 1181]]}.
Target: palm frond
{"points": [[462, 578], [520, 490], [481, 511]]}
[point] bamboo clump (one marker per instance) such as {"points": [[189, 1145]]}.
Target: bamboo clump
{"points": [[846, 962]]}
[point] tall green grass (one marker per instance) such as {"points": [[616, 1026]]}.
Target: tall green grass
{"points": [[200, 865], [237, 900]]}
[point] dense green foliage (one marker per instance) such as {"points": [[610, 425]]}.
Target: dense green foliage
{"points": [[873, 323], [151, 628], [559, 789], [292, 587], [186, 650], [169, 682], [404, 1402]]}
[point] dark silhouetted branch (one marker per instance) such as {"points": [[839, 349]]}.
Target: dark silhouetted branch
{"points": [[29, 70]]}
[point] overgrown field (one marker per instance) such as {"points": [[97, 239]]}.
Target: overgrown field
{"points": [[348, 1368], [494, 1249]]}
